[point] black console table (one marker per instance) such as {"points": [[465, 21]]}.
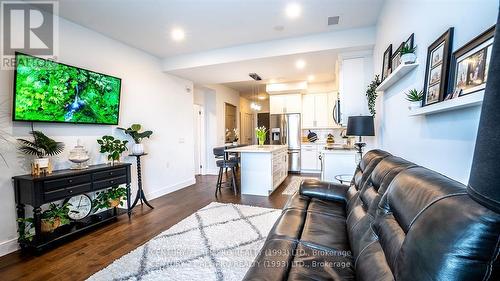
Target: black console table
{"points": [[140, 192], [38, 190]]}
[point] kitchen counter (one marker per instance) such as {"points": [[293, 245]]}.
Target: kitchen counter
{"points": [[263, 168], [257, 148]]}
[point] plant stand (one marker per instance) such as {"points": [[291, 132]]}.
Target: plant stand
{"points": [[140, 192]]}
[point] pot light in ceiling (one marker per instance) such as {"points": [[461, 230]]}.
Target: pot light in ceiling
{"points": [[311, 78], [178, 34], [261, 97], [300, 64], [293, 10]]}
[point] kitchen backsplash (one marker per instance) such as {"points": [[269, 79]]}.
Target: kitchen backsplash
{"points": [[323, 134]]}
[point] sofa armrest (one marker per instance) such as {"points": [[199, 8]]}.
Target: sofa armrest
{"points": [[324, 190]]}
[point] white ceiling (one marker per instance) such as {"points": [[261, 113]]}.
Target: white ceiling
{"points": [[281, 69], [211, 24]]}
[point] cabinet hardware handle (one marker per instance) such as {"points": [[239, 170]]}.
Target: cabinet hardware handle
{"points": [[111, 181], [110, 173], [70, 181], [70, 191]]}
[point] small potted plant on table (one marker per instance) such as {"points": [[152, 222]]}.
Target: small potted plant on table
{"points": [[114, 148], [41, 146], [110, 198], [134, 132], [415, 98]]}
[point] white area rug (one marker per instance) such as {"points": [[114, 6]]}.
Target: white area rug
{"points": [[294, 185], [218, 242]]}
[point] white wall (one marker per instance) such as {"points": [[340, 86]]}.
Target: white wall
{"points": [[150, 97], [442, 142]]}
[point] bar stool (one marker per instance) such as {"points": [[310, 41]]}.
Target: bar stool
{"points": [[226, 164]]}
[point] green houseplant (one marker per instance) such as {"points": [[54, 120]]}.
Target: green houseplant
{"points": [[261, 133], [113, 147], [134, 132], [41, 146], [110, 198], [371, 94], [415, 98], [408, 55], [55, 217]]}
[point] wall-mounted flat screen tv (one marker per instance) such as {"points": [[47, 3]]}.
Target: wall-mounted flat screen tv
{"points": [[47, 91]]}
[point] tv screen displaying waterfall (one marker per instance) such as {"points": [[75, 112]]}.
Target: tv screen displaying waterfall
{"points": [[47, 91]]}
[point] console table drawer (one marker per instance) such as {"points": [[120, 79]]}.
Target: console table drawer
{"points": [[68, 191], [110, 182], [52, 185], [110, 174]]}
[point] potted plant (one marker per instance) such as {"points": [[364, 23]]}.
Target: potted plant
{"points": [[415, 98], [408, 54], [55, 217], [371, 94], [261, 133], [114, 147], [41, 147], [110, 198], [134, 132], [235, 136]]}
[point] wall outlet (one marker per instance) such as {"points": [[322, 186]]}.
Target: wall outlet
{"points": [[182, 140]]}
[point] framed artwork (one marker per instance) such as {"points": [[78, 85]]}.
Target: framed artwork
{"points": [[396, 57], [410, 41], [437, 68], [386, 63], [470, 64]]}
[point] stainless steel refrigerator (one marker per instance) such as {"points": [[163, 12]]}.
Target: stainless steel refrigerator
{"points": [[285, 130]]}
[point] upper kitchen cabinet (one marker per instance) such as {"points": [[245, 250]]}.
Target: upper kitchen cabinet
{"points": [[286, 103], [355, 73], [317, 110]]}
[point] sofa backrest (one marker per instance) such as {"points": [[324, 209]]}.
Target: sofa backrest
{"points": [[362, 211], [427, 227], [363, 170]]}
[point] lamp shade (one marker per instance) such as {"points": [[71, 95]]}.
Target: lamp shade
{"points": [[360, 126]]}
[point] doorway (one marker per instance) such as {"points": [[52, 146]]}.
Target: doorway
{"points": [[199, 139], [247, 124], [230, 123]]}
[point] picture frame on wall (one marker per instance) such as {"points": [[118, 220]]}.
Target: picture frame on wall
{"points": [[470, 64], [437, 68], [386, 62], [410, 41], [396, 57]]}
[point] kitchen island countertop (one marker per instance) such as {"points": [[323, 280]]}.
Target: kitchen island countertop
{"points": [[257, 148]]}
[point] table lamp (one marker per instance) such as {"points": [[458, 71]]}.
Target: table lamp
{"points": [[360, 126]]}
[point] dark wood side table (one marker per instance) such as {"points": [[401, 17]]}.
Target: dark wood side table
{"points": [[62, 184], [140, 192]]}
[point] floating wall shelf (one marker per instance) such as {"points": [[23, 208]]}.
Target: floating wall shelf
{"points": [[395, 76], [473, 99]]}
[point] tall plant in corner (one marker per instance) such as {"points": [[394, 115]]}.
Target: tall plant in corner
{"points": [[371, 94], [134, 132]]}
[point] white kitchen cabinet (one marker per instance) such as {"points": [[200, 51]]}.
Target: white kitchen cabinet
{"points": [[309, 158], [354, 76], [316, 111], [289, 103], [337, 162]]}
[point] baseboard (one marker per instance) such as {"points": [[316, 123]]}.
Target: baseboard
{"points": [[168, 189], [9, 246]]}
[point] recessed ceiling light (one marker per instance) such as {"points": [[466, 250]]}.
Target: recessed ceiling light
{"points": [[300, 64], [293, 10], [262, 97], [311, 77], [272, 81], [177, 34]]}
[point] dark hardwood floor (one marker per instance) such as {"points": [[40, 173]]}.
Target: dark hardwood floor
{"points": [[80, 258]]}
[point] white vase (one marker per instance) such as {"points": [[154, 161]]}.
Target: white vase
{"points": [[137, 149], [414, 105], [42, 162], [408, 58]]}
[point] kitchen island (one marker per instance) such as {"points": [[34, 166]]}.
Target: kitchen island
{"points": [[263, 168]]}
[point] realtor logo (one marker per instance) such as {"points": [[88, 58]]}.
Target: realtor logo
{"points": [[28, 27]]}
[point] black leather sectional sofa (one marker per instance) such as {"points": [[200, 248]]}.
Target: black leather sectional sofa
{"points": [[396, 221]]}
